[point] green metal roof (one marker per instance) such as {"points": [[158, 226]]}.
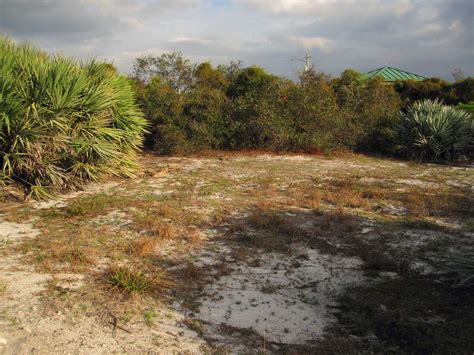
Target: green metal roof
{"points": [[392, 74]]}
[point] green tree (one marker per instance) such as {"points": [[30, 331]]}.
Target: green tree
{"points": [[249, 81], [171, 67], [207, 76]]}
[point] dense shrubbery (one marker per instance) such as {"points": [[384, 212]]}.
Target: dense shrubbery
{"points": [[436, 89], [370, 111], [432, 131], [62, 123], [238, 108]]}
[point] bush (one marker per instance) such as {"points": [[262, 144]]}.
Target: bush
{"points": [[243, 108], [436, 89], [304, 116], [430, 131], [62, 123], [370, 112], [184, 122]]}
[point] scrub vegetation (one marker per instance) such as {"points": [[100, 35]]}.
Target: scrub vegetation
{"points": [[195, 107], [254, 223], [63, 123]]}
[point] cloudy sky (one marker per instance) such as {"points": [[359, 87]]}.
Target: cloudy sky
{"points": [[429, 37]]}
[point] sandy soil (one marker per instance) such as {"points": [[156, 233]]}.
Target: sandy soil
{"points": [[276, 298]]}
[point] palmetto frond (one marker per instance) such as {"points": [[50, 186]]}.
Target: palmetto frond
{"points": [[430, 130], [62, 122]]}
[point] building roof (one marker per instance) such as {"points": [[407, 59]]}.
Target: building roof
{"points": [[392, 74]]}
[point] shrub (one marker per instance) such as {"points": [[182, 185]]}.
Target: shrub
{"points": [[305, 116], [183, 122], [436, 89], [162, 106], [250, 80], [432, 131], [370, 111], [240, 108], [62, 123]]}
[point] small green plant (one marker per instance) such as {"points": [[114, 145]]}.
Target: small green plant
{"points": [[431, 131], [3, 288], [149, 317], [132, 281]]}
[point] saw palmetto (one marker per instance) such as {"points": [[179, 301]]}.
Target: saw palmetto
{"points": [[63, 122], [430, 130]]}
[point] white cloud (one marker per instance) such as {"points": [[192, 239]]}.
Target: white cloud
{"points": [[323, 44], [329, 7], [189, 40], [455, 26], [430, 37], [429, 28]]}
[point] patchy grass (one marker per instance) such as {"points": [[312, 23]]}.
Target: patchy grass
{"points": [[140, 244], [132, 281]]}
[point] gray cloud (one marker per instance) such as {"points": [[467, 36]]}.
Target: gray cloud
{"points": [[55, 18], [428, 37]]}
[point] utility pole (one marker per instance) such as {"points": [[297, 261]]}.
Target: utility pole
{"points": [[306, 61]]}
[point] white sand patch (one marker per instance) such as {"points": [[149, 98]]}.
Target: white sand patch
{"points": [[285, 298], [393, 210], [413, 182], [61, 201], [17, 231], [64, 334]]}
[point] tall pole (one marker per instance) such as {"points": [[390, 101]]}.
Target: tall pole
{"points": [[307, 62]]}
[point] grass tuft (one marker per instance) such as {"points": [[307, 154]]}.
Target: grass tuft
{"points": [[132, 281]]}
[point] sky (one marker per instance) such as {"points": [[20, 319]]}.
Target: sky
{"points": [[427, 37]]}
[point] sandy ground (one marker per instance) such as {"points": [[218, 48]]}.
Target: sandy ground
{"points": [[26, 327], [284, 299], [281, 298]]}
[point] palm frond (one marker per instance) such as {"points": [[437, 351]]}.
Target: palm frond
{"points": [[63, 122]]}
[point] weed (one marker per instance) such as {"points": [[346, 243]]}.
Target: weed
{"points": [[155, 227], [3, 288], [132, 281], [337, 221], [149, 317], [144, 246]]}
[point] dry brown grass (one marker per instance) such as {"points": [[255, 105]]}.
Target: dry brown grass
{"points": [[144, 246], [154, 227], [278, 205], [194, 237], [432, 202], [337, 221]]}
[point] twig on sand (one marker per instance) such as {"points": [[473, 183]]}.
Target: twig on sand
{"points": [[115, 326]]}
